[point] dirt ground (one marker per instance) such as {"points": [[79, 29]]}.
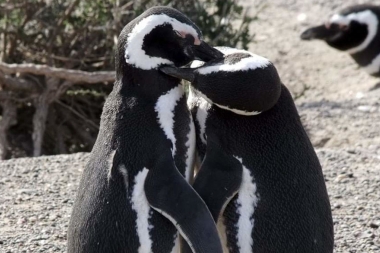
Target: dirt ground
{"points": [[330, 74], [314, 72]]}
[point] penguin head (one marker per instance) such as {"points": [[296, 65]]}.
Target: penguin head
{"points": [[351, 30], [161, 35], [241, 82]]}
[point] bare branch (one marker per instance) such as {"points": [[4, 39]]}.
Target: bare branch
{"points": [[67, 13], [58, 27], [78, 114], [6, 95], [16, 84], [74, 76]]}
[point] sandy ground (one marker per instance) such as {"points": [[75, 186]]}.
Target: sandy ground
{"points": [[328, 73], [340, 113], [316, 74]]}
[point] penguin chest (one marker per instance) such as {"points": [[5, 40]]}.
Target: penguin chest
{"points": [[143, 211], [373, 68], [154, 232], [177, 124], [199, 108], [236, 225]]}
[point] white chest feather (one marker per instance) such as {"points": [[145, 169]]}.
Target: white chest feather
{"points": [[143, 211], [247, 201], [190, 145], [110, 164], [176, 248], [165, 107], [374, 66], [201, 116], [141, 207]]}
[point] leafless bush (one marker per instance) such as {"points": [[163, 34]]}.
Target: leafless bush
{"points": [[57, 61]]}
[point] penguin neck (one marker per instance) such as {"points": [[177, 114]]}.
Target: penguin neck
{"points": [[149, 84], [364, 56], [369, 58]]}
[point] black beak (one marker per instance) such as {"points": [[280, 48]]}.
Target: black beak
{"points": [[318, 32], [181, 73], [205, 52]]}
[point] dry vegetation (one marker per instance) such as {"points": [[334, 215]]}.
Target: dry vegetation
{"points": [[57, 65]]}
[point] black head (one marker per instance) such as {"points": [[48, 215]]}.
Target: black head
{"points": [[241, 82], [161, 35], [351, 30]]}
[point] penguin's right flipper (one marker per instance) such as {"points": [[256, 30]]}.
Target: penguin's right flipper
{"points": [[218, 179], [168, 193]]}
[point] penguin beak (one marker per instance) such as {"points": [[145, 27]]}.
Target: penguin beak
{"points": [[181, 73], [205, 52], [319, 32]]}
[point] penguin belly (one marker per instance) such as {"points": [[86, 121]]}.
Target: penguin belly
{"points": [[111, 212], [133, 195], [281, 204]]}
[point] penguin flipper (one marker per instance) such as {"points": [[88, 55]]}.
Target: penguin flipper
{"points": [[168, 193], [218, 179]]}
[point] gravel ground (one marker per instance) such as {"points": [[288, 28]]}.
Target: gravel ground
{"points": [[37, 196], [339, 111], [35, 202], [345, 123]]}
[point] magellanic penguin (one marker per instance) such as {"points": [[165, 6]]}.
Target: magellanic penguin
{"points": [[133, 196], [354, 30], [260, 176]]}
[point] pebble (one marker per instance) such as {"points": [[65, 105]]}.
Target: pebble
{"points": [[353, 186]]}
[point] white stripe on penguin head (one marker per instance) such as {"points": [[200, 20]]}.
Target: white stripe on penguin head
{"points": [[364, 17], [134, 53], [249, 63], [225, 107]]}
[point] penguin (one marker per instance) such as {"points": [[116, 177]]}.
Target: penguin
{"points": [[354, 30], [134, 195], [260, 176]]}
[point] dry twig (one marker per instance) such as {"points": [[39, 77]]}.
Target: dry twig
{"points": [[74, 76]]}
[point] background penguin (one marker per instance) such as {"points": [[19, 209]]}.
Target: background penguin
{"points": [[260, 176], [133, 188], [354, 30]]}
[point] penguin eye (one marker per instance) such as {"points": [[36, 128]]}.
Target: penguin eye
{"points": [[178, 34], [337, 26], [343, 27], [188, 37]]}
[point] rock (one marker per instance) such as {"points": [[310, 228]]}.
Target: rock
{"points": [[374, 225]]}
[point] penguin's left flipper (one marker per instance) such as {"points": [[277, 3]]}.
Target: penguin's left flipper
{"points": [[168, 193], [218, 179]]}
